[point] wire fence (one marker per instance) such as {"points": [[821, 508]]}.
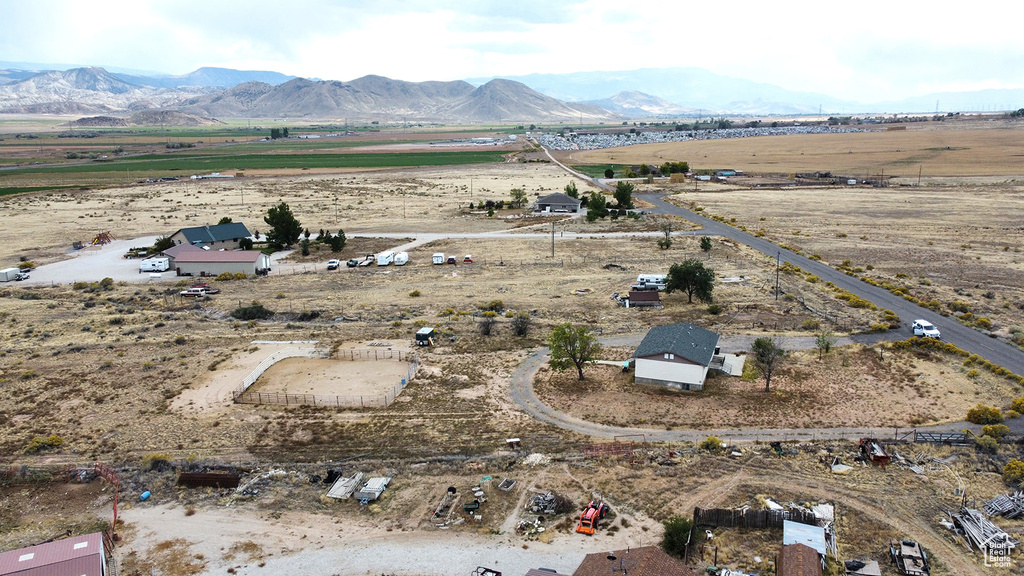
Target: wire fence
{"points": [[244, 396]]}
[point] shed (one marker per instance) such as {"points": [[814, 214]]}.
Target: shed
{"points": [[642, 561], [797, 533], [75, 556], [640, 298], [199, 262], [799, 560], [216, 236], [373, 488], [557, 202], [676, 356]]}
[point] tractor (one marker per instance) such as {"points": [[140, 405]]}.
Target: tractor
{"points": [[591, 516]]}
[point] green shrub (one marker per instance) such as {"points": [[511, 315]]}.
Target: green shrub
{"points": [[714, 309], [1018, 405], [711, 444], [982, 414], [677, 532], [414, 294], [1013, 472], [254, 311], [41, 443], [986, 444], [996, 431]]}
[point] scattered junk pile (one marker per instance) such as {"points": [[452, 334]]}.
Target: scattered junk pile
{"points": [[444, 514], [544, 504], [909, 558], [873, 451], [345, 487], [980, 532], [1006, 505]]}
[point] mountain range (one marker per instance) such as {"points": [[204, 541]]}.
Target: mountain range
{"points": [[572, 97]]}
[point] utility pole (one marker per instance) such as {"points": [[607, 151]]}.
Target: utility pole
{"points": [[778, 263], [919, 168], [552, 239]]}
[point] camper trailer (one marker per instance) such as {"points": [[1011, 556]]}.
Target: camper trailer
{"points": [[158, 264], [650, 282], [385, 258], [438, 258], [401, 259]]}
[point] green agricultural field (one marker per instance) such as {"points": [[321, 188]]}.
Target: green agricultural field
{"points": [[210, 161], [597, 170]]}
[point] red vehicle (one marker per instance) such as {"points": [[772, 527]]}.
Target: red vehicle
{"points": [[591, 517], [468, 259]]}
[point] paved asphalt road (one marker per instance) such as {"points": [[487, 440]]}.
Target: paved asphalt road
{"points": [[994, 350]]}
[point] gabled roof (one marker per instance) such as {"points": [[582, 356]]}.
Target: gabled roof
{"points": [[79, 555], [643, 561], [557, 198], [215, 233], [799, 560], [178, 249], [645, 296], [202, 256], [683, 339], [536, 572]]}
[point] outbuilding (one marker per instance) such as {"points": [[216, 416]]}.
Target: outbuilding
{"points": [[676, 356], [214, 237], [557, 202], [188, 260], [641, 561], [74, 556]]}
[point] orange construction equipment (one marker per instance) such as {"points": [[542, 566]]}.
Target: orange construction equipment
{"points": [[591, 516]]}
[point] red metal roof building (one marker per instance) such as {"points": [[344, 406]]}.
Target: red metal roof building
{"points": [[75, 556]]}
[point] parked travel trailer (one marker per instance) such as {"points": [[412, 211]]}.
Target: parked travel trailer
{"points": [[438, 258], [158, 264], [401, 258], [650, 282], [385, 258]]}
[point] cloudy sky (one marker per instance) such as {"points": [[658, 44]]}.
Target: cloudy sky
{"points": [[866, 51]]}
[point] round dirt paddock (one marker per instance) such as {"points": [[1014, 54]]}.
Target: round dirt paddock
{"points": [[330, 381]]}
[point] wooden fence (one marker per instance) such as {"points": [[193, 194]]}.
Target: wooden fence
{"points": [[750, 518], [274, 359], [367, 401]]}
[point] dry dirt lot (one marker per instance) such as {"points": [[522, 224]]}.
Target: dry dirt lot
{"points": [[117, 371]]}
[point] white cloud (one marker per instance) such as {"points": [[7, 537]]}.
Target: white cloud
{"points": [[870, 50]]}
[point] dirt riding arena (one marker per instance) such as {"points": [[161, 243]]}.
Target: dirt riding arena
{"points": [[362, 376]]}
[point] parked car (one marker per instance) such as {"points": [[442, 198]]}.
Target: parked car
{"points": [[333, 264], [352, 263], [925, 329], [452, 260], [21, 276], [468, 259]]}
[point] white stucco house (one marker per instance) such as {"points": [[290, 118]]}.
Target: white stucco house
{"points": [[675, 356]]}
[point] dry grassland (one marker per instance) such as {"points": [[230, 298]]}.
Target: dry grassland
{"points": [[969, 149], [104, 367]]}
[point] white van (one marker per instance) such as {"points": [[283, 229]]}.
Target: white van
{"points": [[401, 258], [650, 282], [385, 258], [159, 264], [438, 258]]}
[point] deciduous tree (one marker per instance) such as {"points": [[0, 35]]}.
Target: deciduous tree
{"points": [[572, 346], [692, 277], [767, 355], [824, 342]]}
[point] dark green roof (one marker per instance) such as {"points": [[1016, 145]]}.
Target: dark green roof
{"points": [[216, 233], [683, 339]]}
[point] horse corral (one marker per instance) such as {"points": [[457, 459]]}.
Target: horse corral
{"points": [[349, 377]]}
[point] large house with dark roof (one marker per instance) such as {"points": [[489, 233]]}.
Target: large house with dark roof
{"points": [[676, 356], [226, 236], [557, 203]]}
